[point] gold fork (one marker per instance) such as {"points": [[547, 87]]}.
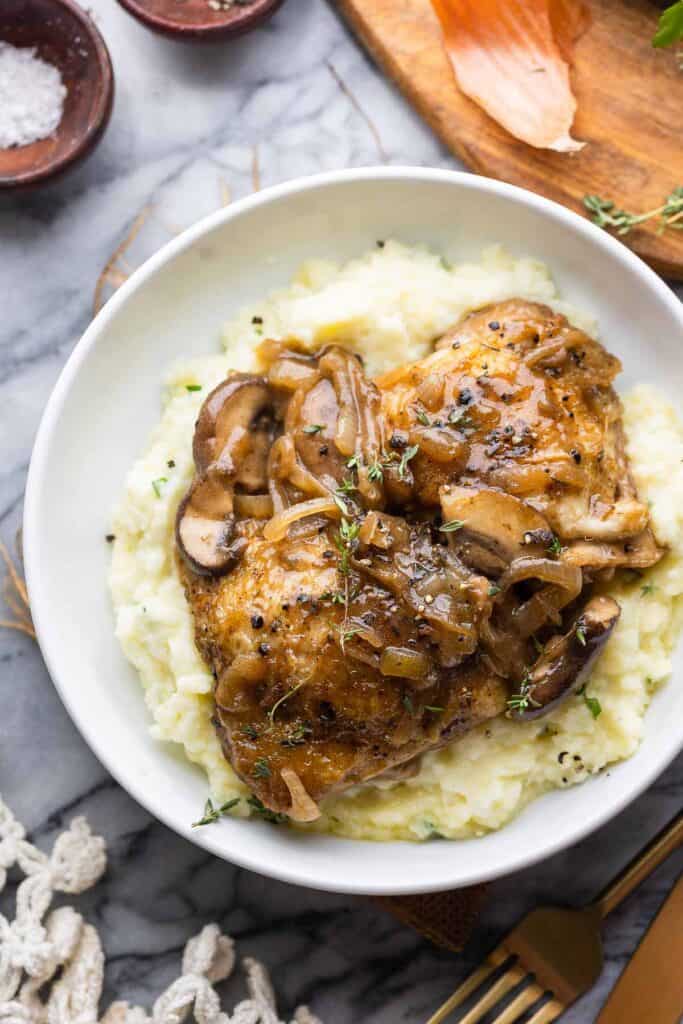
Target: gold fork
{"points": [[554, 954]]}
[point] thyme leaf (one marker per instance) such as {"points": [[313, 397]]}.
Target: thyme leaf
{"points": [[408, 454], [286, 696], [670, 27], [261, 769], [451, 526], [212, 813], [606, 214]]}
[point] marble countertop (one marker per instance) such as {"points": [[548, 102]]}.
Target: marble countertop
{"points": [[189, 123]]}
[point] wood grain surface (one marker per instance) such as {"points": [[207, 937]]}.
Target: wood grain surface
{"points": [[630, 111]]}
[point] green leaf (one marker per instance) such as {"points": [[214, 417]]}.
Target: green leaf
{"points": [[593, 705], [581, 635], [408, 454], [274, 817], [212, 814], [314, 428], [451, 526], [261, 769], [193, 387], [670, 28], [157, 485]]}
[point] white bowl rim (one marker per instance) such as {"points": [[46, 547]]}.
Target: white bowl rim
{"points": [[48, 638]]}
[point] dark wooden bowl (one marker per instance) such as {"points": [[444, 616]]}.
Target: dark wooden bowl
{"points": [[64, 35], [195, 20]]}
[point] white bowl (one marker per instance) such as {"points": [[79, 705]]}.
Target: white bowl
{"points": [[107, 400]]}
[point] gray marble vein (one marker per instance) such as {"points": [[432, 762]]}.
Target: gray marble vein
{"points": [[186, 122]]}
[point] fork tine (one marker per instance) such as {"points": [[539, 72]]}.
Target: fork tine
{"points": [[463, 991], [529, 995], [505, 983], [550, 1012]]}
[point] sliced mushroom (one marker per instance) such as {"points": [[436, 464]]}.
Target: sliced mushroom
{"points": [[567, 662], [233, 435], [496, 527]]}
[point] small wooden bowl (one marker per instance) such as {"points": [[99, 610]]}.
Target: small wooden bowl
{"points": [[63, 35], [196, 20]]}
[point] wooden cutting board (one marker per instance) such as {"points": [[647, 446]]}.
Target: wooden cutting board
{"points": [[630, 112]]}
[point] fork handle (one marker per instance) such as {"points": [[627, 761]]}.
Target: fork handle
{"points": [[656, 851]]}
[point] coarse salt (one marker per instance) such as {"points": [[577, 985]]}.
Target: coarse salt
{"points": [[31, 96]]}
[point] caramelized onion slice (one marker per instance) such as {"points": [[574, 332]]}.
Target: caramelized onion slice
{"points": [[546, 569], [404, 662], [278, 526], [304, 807], [253, 506]]}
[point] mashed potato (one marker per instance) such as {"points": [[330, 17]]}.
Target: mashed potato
{"points": [[391, 304]]}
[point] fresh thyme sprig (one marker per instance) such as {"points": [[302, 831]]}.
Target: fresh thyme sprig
{"points": [[212, 813], [606, 214], [286, 696], [346, 541], [521, 701]]}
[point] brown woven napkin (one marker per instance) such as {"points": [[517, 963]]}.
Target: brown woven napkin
{"points": [[445, 918]]}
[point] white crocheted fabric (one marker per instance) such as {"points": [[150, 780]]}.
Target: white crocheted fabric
{"points": [[59, 956]]}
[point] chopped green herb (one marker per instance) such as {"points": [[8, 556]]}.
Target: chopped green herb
{"points": [[593, 705], [193, 387], [493, 589], [313, 428], [346, 487], [341, 504], [408, 454], [451, 526], [581, 635], [433, 707], [158, 483], [261, 769], [554, 548], [670, 28], [422, 416], [286, 696], [375, 472], [274, 817], [647, 589], [250, 731], [354, 462], [455, 416], [347, 634], [520, 701], [212, 813], [298, 735]]}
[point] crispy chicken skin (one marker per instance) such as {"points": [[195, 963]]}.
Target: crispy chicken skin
{"points": [[291, 693], [518, 399], [375, 568]]}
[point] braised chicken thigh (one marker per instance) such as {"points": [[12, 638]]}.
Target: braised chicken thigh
{"points": [[376, 567]]}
